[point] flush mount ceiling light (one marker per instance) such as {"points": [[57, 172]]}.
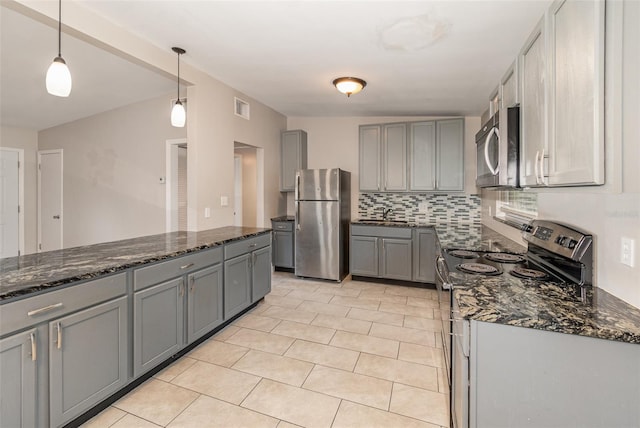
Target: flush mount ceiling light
{"points": [[349, 85], [58, 76], [178, 114]]}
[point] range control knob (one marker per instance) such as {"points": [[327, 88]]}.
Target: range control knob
{"points": [[561, 240]]}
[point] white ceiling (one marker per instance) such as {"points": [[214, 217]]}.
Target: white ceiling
{"points": [[418, 57]]}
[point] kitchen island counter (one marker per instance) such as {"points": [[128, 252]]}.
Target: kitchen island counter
{"points": [[23, 276]]}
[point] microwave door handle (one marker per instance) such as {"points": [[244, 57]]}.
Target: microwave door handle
{"points": [[487, 142]]}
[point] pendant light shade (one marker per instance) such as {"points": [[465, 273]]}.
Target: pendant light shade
{"points": [[58, 75], [349, 85], [59, 78], [178, 113]]}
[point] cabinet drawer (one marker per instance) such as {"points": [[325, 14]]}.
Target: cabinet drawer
{"points": [[381, 231], [33, 310], [286, 226], [173, 268], [238, 248]]}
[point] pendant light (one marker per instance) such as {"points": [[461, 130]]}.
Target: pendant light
{"points": [[58, 75], [178, 114], [349, 85]]}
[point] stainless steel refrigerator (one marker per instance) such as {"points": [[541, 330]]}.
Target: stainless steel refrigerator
{"points": [[323, 214]]}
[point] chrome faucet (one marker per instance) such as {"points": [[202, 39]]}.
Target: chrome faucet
{"points": [[386, 212]]}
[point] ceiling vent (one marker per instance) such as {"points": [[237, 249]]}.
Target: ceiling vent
{"points": [[241, 108]]}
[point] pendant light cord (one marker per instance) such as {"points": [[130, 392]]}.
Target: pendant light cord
{"points": [[60, 28], [178, 77]]}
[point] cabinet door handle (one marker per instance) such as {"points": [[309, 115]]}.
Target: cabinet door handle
{"points": [[34, 346], [253, 245], [181, 289], [59, 328], [536, 166], [192, 282], [45, 309], [187, 266], [542, 168]]}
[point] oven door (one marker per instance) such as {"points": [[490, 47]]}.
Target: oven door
{"points": [[488, 156]]}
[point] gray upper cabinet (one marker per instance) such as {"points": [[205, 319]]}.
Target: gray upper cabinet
{"points": [[394, 163], [416, 156], [576, 84], [450, 155], [204, 302], [561, 73], [18, 389], [422, 156], [293, 156], [533, 109], [87, 358], [369, 157]]}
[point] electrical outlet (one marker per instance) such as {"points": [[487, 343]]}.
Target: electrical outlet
{"points": [[207, 212], [627, 253], [423, 208]]}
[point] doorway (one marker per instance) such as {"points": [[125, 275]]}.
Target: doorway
{"points": [[248, 185], [50, 200], [11, 202], [176, 185]]}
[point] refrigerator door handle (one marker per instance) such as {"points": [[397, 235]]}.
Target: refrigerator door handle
{"points": [[297, 185], [297, 215]]}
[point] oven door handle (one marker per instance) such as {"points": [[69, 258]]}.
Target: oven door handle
{"points": [[487, 142], [446, 283]]}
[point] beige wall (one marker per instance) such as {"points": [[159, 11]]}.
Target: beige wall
{"points": [[332, 142], [112, 167], [27, 140]]}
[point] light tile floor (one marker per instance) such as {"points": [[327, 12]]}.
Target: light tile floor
{"points": [[312, 354]]}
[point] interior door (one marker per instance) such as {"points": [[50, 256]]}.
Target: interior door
{"points": [[50, 200], [9, 203]]}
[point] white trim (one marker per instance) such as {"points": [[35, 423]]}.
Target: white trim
{"points": [[21, 169], [170, 165], [260, 187], [40, 153]]}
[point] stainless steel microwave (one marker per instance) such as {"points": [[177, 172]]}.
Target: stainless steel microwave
{"points": [[497, 151]]}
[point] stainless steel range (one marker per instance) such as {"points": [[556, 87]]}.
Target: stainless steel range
{"points": [[556, 253]]}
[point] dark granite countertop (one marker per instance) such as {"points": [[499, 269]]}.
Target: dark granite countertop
{"points": [[561, 308], [284, 218], [33, 273], [471, 236]]}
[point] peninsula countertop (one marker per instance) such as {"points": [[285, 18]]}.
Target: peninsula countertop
{"points": [[33, 273]]}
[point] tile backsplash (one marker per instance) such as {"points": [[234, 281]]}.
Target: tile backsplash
{"points": [[441, 208]]}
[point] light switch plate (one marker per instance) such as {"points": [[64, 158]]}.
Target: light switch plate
{"points": [[224, 201], [627, 251]]}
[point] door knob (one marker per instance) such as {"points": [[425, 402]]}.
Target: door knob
{"points": [[57, 217]]}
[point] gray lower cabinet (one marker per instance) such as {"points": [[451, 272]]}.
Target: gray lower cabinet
{"points": [[237, 284], [283, 244], [18, 388], [260, 273], [204, 301], [158, 314], [247, 273], [364, 255], [506, 376], [381, 252], [396, 261], [87, 358], [174, 303], [424, 255]]}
